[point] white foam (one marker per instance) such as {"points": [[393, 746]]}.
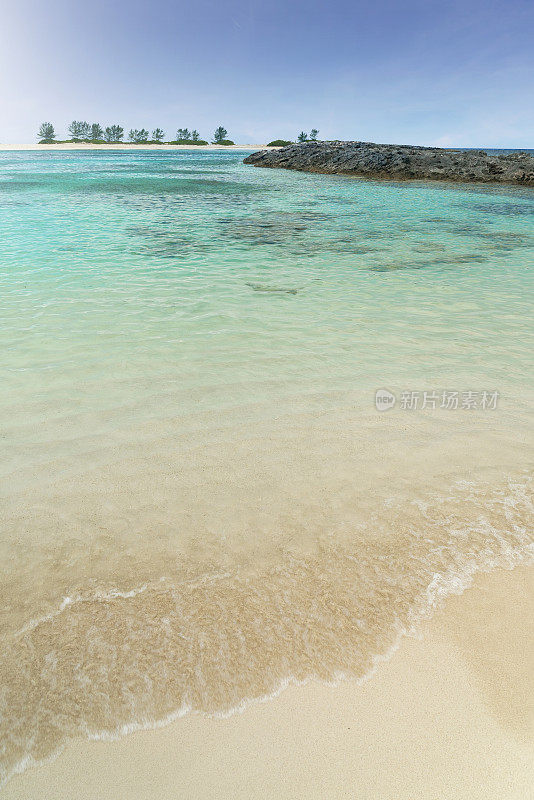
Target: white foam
{"points": [[453, 581]]}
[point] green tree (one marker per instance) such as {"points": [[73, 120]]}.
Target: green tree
{"points": [[220, 134], [47, 132], [195, 135], [138, 136], [314, 133], [75, 129], [114, 133], [157, 135], [96, 131], [303, 137], [80, 130], [184, 134]]}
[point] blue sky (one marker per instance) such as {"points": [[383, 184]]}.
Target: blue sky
{"points": [[419, 71]]}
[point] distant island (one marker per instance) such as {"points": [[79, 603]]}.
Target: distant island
{"points": [[93, 133], [399, 162]]}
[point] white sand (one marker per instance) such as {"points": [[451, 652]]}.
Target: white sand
{"points": [[126, 146], [449, 717]]}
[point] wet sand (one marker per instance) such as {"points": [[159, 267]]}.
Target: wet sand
{"points": [[450, 715]]}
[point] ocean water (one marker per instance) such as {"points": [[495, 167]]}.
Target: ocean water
{"points": [[200, 501]]}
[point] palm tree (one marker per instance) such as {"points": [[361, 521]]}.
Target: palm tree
{"points": [[220, 134], [47, 132]]}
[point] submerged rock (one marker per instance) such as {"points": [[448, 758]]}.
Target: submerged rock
{"points": [[260, 287], [399, 162]]}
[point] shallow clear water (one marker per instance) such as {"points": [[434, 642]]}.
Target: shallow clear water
{"points": [[191, 453]]}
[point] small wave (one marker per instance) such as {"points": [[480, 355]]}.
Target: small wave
{"points": [[113, 661], [111, 594]]}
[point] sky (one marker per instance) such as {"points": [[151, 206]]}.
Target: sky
{"points": [[457, 73]]}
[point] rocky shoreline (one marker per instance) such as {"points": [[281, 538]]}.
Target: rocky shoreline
{"points": [[399, 162]]}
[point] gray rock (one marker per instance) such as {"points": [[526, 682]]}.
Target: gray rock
{"points": [[399, 162], [260, 287]]}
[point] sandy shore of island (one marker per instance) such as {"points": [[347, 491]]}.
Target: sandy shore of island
{"points": [[126, 146], [450, 715]]}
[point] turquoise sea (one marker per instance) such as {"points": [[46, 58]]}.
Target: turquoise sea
{"points": [[201, 501]]}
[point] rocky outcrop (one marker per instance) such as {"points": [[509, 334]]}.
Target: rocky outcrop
{"points": [[399, 162]]}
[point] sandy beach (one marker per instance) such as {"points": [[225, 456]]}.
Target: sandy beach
{"points": [[266, 473], [126, 146], [203, 501], [450, 715]]}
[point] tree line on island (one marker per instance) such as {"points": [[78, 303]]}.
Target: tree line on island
{"points": [[94, 133]]}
